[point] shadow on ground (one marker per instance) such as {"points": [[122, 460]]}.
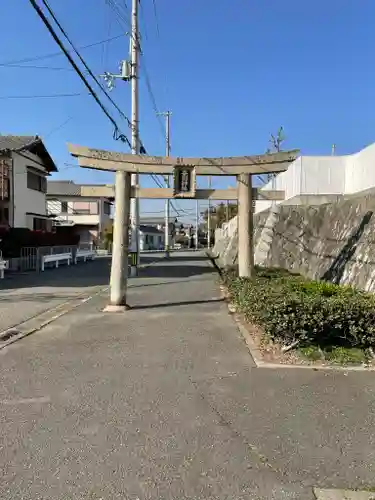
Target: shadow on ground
{"points": [[97, 272], [175, 271], [176, 304], [81, 275]]}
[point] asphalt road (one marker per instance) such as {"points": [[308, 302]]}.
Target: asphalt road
{"points": [[164, 402], [27, 294]]}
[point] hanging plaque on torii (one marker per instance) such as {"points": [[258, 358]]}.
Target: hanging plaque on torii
{"points": [[184, 184]]}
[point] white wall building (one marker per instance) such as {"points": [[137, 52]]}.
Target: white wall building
{"points": [[150, 238], [86, 216], [324, 176], [24, 167]]}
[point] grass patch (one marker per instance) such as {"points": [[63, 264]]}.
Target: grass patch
{"points": [[346, 356], [312, 353]]}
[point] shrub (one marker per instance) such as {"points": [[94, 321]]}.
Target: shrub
{"points": [[290, 307]]}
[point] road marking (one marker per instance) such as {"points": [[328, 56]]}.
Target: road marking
{"points": [[25, 401], [343, 495]]}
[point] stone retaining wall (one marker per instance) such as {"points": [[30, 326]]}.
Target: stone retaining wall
{"points": [[335, 241]]}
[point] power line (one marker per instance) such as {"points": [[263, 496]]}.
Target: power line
{"points": [[152, 95], [144, 30], [52, 68], [156, 17], [59, 127], [55, 54], [159, 184], [119, 16], [45, 2], [52, 32], [122, 114], [47, 96]]}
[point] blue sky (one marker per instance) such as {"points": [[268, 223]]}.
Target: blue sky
{"points": [[230, 72]]}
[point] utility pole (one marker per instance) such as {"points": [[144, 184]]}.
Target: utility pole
{"points": [[167, 115], [134, 203], [128, 72], [209, 217], [196, 223], [126, 209]]}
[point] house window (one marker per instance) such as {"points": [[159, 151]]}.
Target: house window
{"points": [[64, 207], [87, 208], [39, 224], [37, 182], [107, 208]]}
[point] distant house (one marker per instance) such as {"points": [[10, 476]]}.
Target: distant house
{"points": [[159, 223], [86, 216], [24, 166], [150, 238]]}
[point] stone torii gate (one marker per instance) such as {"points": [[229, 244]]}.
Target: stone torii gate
{"points": [[185, 172]]}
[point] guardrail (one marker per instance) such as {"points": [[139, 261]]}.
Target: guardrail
{"points": [[56, 258], [84, 254]]}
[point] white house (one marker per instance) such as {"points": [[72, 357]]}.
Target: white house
{"points": [[324, 177], [150, 238], [83, 215], [24, 166]]}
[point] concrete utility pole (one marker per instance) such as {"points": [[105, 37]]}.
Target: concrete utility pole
{"points": [[196, 223], [245, 227], [134, 204], [167, 115], [209, 217]]}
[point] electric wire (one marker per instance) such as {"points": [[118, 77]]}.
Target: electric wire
{"points": [[55, 54], [116, 134], [45, 2], [45, 96]]}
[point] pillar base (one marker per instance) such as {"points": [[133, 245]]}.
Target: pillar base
{"points": [[116, 309]]}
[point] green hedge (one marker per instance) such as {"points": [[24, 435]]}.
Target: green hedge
{"points": [[290, 307]]}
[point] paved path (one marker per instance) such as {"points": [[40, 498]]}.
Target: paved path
{"points": [[164, 402]]}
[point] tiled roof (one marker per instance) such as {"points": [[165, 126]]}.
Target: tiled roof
{"points": [[31, 143], [11, 142]]}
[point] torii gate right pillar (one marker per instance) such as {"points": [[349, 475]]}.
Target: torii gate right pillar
{"points": [[245, 226]]}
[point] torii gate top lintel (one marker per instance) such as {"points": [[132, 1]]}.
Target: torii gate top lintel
{"points": [[143, 164]]}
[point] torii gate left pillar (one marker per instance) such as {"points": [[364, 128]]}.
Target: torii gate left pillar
{"points": [[119, 264]]}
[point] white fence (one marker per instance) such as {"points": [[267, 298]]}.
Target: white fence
{"points": [[31, 257]]}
